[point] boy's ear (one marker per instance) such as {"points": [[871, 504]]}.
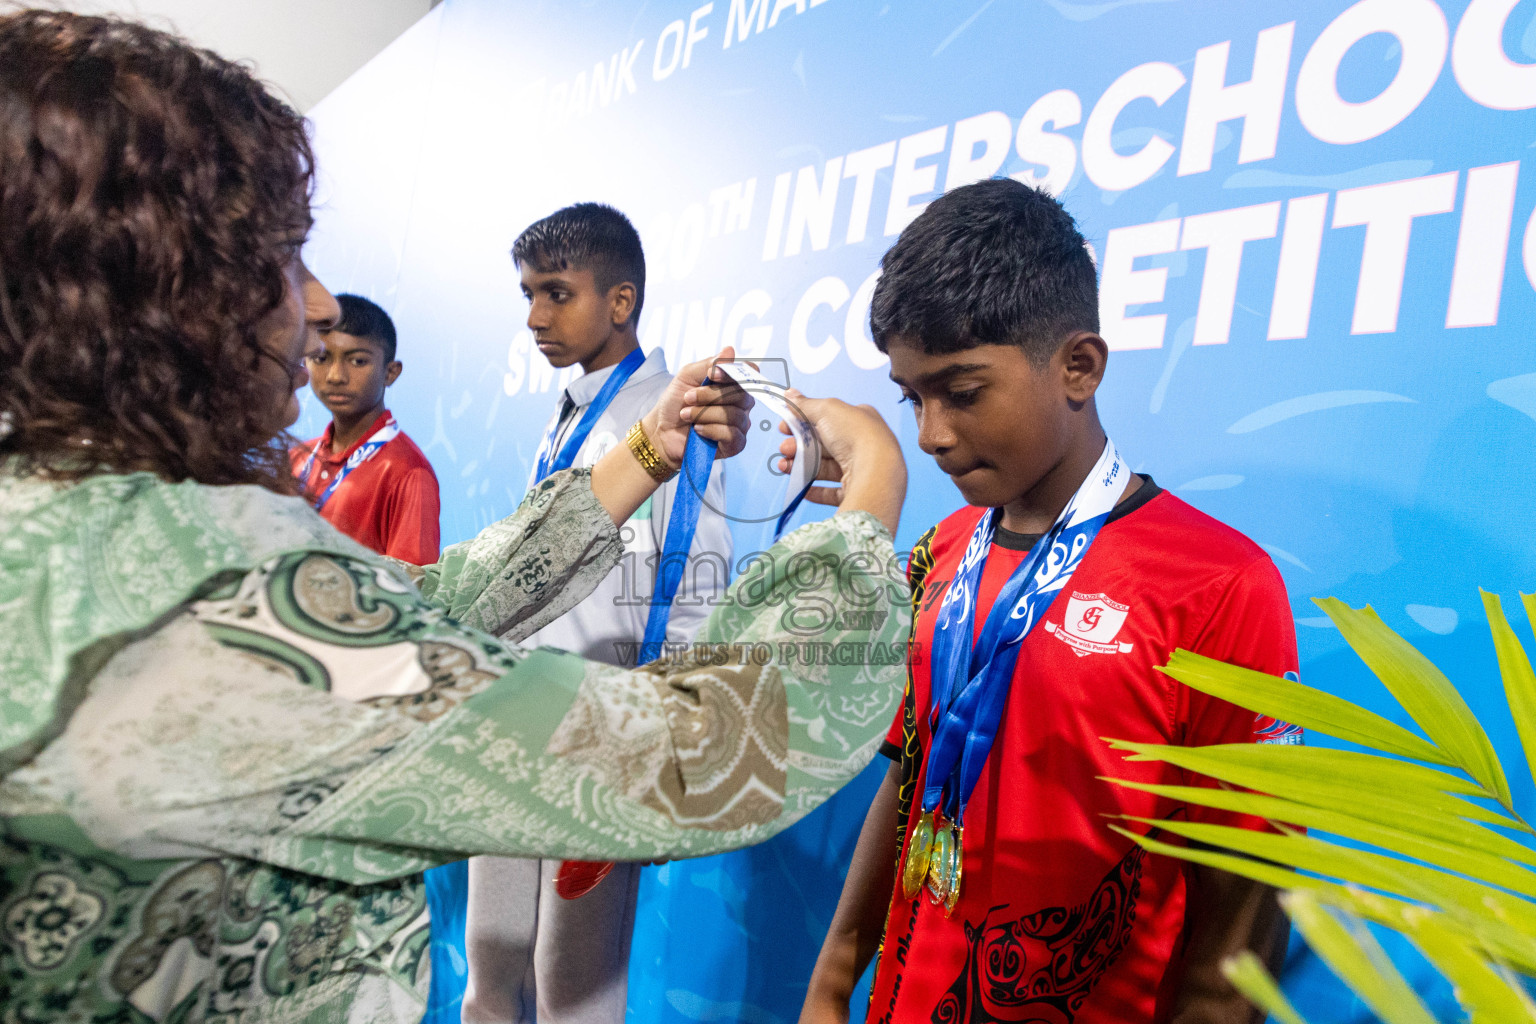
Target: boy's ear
{"points": [[1083, 358], [621, 303], [392, 371]]}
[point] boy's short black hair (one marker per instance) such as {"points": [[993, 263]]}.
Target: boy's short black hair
{"points": [[587, 236], [994, 263], [363, 318]]}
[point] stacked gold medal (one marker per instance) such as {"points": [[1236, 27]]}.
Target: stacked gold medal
{"points": [[933, 855]]}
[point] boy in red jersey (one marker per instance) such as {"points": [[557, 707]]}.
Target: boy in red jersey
{"points": [[1042, 611], [366, 477]]}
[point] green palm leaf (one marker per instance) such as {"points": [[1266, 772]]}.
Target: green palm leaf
{"points": [[1307, 707], [1362, 867], [1484, 989], [1448, 842], [1519, 681], [1439, 869], [1355, 956], [1249, 977], [1477, 926], [1424, 692], [1328, 778]]}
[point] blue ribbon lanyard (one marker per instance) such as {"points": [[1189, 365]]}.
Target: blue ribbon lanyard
{"points": [[547, 461], [365, 451], [687, 501], [970, 682]]}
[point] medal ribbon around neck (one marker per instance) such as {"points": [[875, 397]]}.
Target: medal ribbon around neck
{"points": [[576, 878], [970, 682], [361, 454], [546, 461]]}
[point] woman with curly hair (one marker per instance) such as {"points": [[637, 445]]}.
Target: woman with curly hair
{"points": [[230, 739]]}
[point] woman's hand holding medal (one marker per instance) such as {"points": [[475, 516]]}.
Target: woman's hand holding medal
{"points": [[699, 399], [859, 455]]}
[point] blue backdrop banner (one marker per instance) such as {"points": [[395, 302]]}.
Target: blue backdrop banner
{"points": [[1314, 226]]}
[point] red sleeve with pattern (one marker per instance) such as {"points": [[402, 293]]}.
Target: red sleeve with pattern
{"points": [[411, 520], [1251, 626]]}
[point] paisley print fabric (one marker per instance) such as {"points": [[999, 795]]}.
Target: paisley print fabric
{"points": [[238, 738]]}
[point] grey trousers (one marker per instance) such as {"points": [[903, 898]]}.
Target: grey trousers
{"points": [[535, 956]]}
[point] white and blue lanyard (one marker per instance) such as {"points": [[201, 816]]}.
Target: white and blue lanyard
{"points": [[365, 451], [970, 683], [546, 461], [698, 460]]}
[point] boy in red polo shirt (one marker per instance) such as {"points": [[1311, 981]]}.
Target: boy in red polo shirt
{"points": [[364, 475], [986, 864]]}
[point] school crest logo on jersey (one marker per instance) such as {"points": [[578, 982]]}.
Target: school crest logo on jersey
{"points": [[1090, 625]]}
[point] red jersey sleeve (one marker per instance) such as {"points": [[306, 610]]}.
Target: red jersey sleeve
{"points": [[1250, 626], [411, 518]]}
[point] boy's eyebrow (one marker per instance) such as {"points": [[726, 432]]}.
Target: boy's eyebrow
{"points": [[369, 347], [944, 373]]}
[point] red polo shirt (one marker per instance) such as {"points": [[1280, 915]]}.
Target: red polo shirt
{"points": [[388, 503], [1060, 919]]}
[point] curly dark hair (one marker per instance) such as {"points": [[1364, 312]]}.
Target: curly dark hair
{"points": [[152, 197]]}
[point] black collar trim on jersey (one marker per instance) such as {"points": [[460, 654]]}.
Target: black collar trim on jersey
{"points": [[1139, 497]]}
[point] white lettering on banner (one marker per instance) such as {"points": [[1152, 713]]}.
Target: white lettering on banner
{"points": [[1057, 153], [1388, 211], [909, 180], [574, 98], [778, 9], [627, 69], [1290, 313], [701, 336], [517, 357], [1420, 30], [697, 328], [753, 341], [809, 358], [1528, 250], [806, 202], [730, 208], [776, 209], [1104, 166], [1222, 235], [675, 315], [743, 18], [674, 31], [526, 364], [1257, 102], [695, 34], [1482, 67], [740, 18], [1482, 245], [814, 206], [993, 132], [861, 348], [687, 241], [576, 105], [862, 166], [1122, 285], [603, 81]]}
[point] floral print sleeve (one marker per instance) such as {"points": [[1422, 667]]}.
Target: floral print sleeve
{"points": [[265, 773], [527, 570], [450, 742]]}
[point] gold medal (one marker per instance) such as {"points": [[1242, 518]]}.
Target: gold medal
{"points": [[954, 872], [919, 851], [939, 864]]}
